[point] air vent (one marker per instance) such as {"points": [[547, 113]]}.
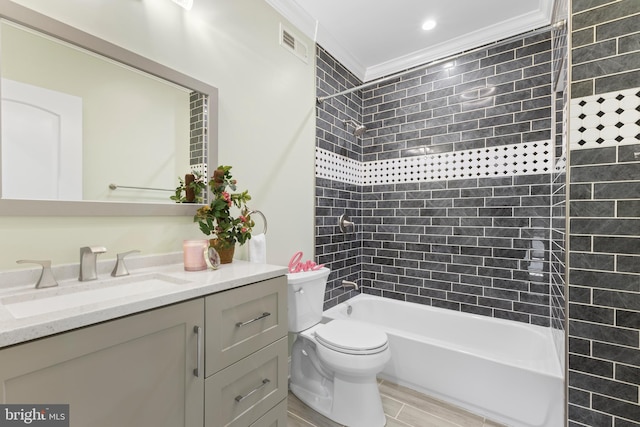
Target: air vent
{"points": [[288, 39], [291, 42]]}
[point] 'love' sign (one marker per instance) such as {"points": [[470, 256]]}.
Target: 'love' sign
{"points": [[296, 265]]}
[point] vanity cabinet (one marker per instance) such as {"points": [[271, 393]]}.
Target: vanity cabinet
{"points": [[246, 353], [218, 360], [134, 371]]}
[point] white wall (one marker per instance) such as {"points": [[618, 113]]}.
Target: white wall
{"points": [[266, 123]]}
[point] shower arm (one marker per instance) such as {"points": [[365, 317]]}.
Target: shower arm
{"points": [[321, 99]]}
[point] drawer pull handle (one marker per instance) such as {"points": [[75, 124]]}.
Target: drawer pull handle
{"points": [[198, 331], [240, 398], [262, 316]]}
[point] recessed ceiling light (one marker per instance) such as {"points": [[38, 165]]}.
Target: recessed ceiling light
{"points": [[429, 25]]}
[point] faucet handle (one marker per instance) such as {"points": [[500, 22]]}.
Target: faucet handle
{"points": [[46, 279], [120, 269]]}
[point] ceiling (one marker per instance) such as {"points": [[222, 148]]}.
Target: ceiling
{"points": [[375, 38]]}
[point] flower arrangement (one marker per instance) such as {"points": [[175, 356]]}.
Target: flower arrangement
{"points": [[193, 186], [216, 219]]}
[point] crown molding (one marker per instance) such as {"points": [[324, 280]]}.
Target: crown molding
{"points": [[305, 23], [486, 35]]}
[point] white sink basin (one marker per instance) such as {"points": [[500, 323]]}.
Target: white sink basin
{"points": [[63, 297]]}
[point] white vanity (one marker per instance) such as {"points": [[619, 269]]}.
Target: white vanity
{"points": [[209, 351]]}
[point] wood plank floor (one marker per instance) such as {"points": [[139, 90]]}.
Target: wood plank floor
{"points": [[404, 408]]}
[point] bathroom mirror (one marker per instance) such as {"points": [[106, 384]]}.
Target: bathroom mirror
{"points": [[89, 128]]}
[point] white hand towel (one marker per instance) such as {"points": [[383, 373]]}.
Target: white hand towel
{"points": [[258, 249]]}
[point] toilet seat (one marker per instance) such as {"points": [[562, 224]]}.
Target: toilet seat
{"points": [[351, 337]]}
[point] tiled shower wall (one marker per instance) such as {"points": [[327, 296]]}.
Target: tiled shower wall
{"points": [[604, 210], [449, 188], [341, 252]]}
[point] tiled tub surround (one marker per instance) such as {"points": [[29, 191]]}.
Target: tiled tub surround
{"points": [[604, 215], [604, 293], [435, 224], [339, 252]]}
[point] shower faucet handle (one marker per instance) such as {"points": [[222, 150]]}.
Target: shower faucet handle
{"points": [[344, 222]]}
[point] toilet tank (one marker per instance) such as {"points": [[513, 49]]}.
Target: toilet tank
{"points": [[306, 298]]}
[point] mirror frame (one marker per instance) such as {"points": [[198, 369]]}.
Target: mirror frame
{"points": [[51, 27]]}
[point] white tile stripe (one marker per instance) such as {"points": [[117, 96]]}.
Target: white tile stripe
{"points": [[508, 160], [338, 168], [606, 119]]}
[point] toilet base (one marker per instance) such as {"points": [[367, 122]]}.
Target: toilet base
{"points": [[353, 401], [359, 408]]}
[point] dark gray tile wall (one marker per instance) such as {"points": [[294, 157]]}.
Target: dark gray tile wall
{"points": [[605, 40], [604, 245], [340, 252], [459, 244], [497, 96], [464, 245]]}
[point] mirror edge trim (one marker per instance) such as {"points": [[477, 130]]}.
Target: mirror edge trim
{"points": [[94, 208]]}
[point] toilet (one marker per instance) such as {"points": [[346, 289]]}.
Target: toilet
{"points": [[334, 364]]}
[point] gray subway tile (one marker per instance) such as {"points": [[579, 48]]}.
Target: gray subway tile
{"points": [[594, 51], [607, 66], [622, 81], [618, 28]]}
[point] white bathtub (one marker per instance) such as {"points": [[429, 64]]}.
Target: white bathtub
{"points": [[504, 370]]}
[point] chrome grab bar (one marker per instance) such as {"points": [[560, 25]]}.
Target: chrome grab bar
{"points": [[240, 398], [262, 316]]}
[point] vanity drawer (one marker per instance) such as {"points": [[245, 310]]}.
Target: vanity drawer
{"points": [[276, 417], [240, 394], [241, 321]]}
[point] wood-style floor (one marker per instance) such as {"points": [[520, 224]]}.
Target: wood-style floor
{"points": [[404, 408]]}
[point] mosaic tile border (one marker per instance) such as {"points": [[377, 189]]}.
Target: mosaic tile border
{"points": [[529, 158], [607, 119]]}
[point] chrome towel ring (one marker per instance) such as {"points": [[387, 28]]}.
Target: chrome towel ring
{"points": [[264, 219]]}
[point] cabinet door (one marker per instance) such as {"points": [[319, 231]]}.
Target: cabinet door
{"points": [[135, 371], [243, 320], [240, 394], [276, 417]]}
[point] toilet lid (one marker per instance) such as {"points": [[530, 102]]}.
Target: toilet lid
{"points": [[351, 336]]}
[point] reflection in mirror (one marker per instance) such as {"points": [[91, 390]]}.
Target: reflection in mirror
{"points": [[86, 122], [80, 126]]}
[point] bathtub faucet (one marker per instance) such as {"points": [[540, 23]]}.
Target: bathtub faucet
{"points": [[346, 284]]}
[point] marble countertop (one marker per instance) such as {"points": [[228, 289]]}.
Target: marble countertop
{"points": [[181, 286]]}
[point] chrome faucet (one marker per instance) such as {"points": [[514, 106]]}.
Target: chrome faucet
{"points": [[120, 269], [46, 279], [88, 260]]}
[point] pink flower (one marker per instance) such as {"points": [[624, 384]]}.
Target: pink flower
{"points": [[244, 229], [226, 197], [243, 218]]}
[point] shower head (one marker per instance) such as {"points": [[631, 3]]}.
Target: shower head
{"points": [[358, 130]]}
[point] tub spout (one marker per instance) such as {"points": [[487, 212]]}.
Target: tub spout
{"points": [[346, 284]]}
